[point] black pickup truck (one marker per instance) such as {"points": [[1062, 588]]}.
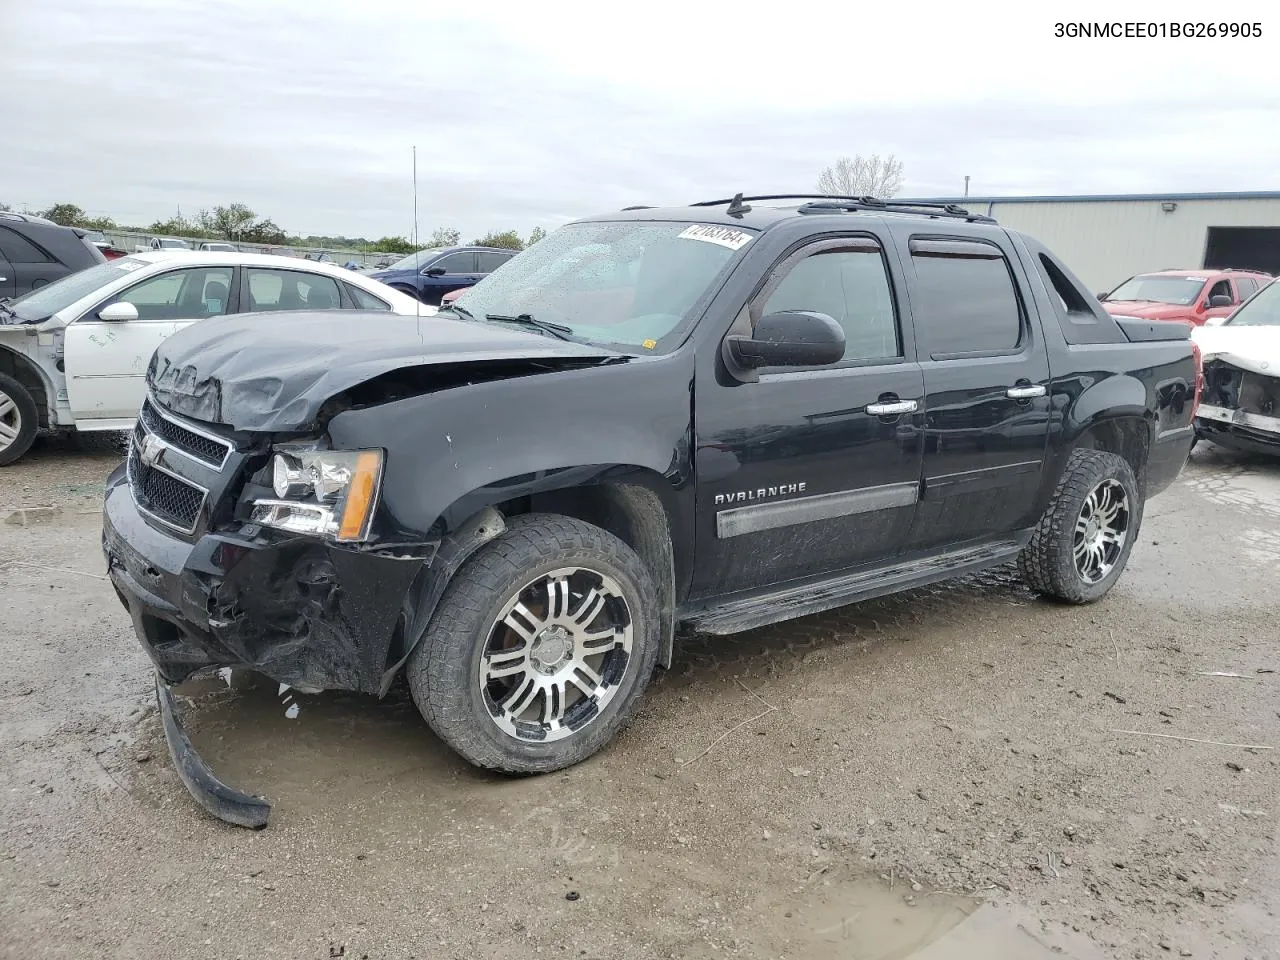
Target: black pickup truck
{"points": [[711, 417]]}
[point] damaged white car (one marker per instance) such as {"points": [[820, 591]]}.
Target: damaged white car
{"points": [[73, 353], [1240, 405]]}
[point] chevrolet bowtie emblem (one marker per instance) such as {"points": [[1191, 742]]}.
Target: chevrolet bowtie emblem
{"points": [[153, 449]]}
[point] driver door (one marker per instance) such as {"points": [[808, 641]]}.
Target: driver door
{"points": [[106, 361]]}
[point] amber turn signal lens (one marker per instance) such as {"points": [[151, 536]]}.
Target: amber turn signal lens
{"points": [[360, 496]]}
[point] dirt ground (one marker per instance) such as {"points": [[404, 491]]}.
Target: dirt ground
{"points": [[952, 753]]}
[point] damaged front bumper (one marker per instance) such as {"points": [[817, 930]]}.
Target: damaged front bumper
{"points": [[305, 612], [1252, 432], [1240, 408]]}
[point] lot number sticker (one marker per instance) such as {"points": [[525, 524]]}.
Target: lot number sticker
{"points": [[725, 236]]}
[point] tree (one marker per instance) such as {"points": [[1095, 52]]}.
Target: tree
{"points": [[508, 239], [65, 214], [535, 235], [443, 237], [178, 227], [234, 221], [5, 208], [263, 231], [863, 177], [394, 245]]}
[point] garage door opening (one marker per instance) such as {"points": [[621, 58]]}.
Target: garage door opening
{"points": [[1245, 248]]}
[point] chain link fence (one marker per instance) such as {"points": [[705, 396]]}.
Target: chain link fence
{"points": [[132, 242]]}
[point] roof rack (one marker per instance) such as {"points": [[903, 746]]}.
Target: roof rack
{"points": [[829, 203]]}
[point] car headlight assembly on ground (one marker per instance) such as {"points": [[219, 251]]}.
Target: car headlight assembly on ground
{"points": [[329, 493]]}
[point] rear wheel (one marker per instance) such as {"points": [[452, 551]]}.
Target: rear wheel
{"points": [[19, 419], [1083, 541], [540, 647]]}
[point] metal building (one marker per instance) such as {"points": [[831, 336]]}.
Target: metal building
{"points": [[1107, 239]]}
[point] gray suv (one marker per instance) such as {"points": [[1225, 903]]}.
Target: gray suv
{"points": [[35, 251]]}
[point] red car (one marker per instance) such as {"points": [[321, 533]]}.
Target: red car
{"points": [[1192, 296]]}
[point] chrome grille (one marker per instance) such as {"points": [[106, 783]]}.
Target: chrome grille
{"points": [[184, 438], [165, 496]]}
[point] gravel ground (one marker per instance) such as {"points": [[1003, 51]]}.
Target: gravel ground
{"points": [[904, 761]]}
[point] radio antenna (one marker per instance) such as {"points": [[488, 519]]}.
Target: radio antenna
{"points": [[417, 250]]}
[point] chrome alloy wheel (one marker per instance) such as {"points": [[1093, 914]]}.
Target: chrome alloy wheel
{"points": [[10, 421], [1101, 530], [556, 655]]}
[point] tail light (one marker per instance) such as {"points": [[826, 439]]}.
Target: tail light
{"points": [[1195, 404]]}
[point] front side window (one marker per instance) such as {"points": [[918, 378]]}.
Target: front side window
{"points": [[290, 290], [1262, 311], [969, 301], [456, 263], [628, 282], [180, 294], [1220, 289], [851, 286], [1156, 288]]}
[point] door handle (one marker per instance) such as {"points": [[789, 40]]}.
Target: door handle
{"points": [[892, 409], [1026, 392]]}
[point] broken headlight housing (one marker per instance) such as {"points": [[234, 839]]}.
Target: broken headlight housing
{"points": [[330, 493]]}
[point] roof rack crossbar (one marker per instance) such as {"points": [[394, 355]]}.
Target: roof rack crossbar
{"points": [[827, 203]]}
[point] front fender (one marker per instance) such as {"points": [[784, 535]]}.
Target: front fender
{"points": [[450, 453]]}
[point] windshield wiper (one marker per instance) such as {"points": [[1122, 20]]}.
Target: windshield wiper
{"points": [[558, 330], [460, 311]]}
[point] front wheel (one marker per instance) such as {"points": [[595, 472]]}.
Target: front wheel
{"points": [[540, 647], [1083, 541], [19, 419]]}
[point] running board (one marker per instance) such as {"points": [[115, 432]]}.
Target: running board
{"points": [[791, 602]]}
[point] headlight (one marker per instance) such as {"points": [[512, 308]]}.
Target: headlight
{"points": [[329, 493]]}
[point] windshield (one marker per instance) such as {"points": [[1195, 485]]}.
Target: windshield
{"points": [[1160, 289], [44, 302], [1262, 309], [415, 259], [622, 282]]}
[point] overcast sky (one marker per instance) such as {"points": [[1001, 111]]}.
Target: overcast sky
{"points": [[537, 112]]}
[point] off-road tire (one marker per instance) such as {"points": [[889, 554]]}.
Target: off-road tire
{"points": [[1047, 563], [443, 672], [28, 419]]}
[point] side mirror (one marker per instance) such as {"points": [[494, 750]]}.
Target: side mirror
{"points": [[794, 338], [1219, 301], [120, 312], [1102, 297], [433, 272], [1215, 321]]}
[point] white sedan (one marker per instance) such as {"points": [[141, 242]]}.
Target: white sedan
{"points": [[74, 353]]}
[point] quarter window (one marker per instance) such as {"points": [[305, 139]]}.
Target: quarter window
{"points": [[851, 285], [365, 300], [968, 302], [181, 294], [291, 290]]}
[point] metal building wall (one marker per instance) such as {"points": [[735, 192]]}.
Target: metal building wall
{"points": [[1107, 241]]}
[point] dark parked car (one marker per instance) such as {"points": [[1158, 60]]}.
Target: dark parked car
{"points": [[430, 274], [35, 251], [717, 416]]}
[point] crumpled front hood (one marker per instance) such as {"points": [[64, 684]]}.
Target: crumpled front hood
{"points": [[1256, 349], [274, 371], [1147, 309]]}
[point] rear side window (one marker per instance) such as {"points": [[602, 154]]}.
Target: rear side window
{"points": [[18, 249], [291, 290], [1246, 287], [969, 304], [489, 262]]}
